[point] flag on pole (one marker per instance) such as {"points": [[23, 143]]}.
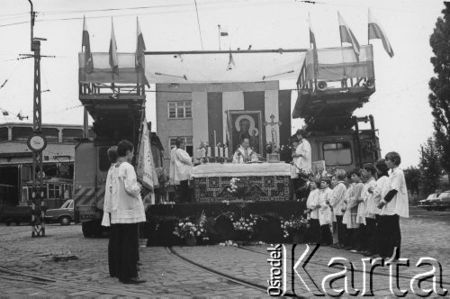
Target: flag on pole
{"points": [[113, 59], [145, 169], [140, 47], [347, 35], [223, 31], [312, 42], [377, 32], [86, 48], [140, 56]]}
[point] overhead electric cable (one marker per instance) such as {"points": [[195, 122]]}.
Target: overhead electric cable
{"points": [[198, 23]]}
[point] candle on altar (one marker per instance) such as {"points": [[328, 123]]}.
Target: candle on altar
{"points": [[216, 151], [208, 151], [220, 151], [226, 152]]}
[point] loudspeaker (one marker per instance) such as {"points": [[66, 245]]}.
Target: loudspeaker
{"points": [[322, 85], [370, 83]]}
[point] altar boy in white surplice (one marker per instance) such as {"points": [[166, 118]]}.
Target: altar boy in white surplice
{"points": [[244, 153]]}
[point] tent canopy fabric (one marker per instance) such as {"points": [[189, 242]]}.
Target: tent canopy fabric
{"points": [[196, 68], [333, 64]]}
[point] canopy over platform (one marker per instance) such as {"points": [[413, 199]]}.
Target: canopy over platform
{"points": [[196, 66], [333, 84]]}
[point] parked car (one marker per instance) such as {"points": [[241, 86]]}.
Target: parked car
{"points": [[16, 214], [427, 203], [64, 215], [443, 201]]}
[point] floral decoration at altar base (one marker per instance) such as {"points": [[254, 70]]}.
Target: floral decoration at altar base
{"points": [[190, 232]]}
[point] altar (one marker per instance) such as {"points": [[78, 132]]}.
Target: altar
{"points": [[264, 181]]}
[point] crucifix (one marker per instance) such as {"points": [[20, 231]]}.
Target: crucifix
{"points": [[273, 125]]}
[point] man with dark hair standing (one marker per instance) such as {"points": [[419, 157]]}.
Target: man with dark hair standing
{"points": [[394, 204], [127, 214], [108, 206], [180, 171]]}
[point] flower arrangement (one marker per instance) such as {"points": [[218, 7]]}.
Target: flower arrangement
{"points": [[293, 225], [245, 224], [187, 229]]}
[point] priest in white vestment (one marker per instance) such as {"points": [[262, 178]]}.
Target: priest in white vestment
{"points": [[302, 155], [244, 153], [180, 171]]}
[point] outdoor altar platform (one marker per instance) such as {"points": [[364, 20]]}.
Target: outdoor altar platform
{"points": [[263, 181]]}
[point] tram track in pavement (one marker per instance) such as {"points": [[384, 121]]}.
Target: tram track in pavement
{"points": [[223, 275], [78, 288]]}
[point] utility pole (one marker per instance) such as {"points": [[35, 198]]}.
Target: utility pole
{"points": [[37, 142]]}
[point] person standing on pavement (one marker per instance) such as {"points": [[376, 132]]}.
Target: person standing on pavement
{"points": [[128, 214], [325, 214], [350, 215], [180, 171], [369, 172], [337, 202], [108, 206], [395, 204], [312, 210], [378, 194]]}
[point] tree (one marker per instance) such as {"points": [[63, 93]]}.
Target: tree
{"points": [[413, 179], [430, 167], [439, 98]]}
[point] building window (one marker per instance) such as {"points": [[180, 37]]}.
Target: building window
{"points": [[337, 154], [187, 142], [4, 134], [54, 191], [180, 109], [71, 135], [51, 134], [21, 133]]}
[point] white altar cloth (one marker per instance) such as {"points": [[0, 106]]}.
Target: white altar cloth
{"points": [[241, 170]]}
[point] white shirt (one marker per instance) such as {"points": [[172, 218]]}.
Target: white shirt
{"points": [[243, 155], [378, 195], [110, 188], [362, 206], [130, 208], [311, 202], [399, 204], [325, 215], [337, 199], [180, 166], [303, 162], [369, 198]]}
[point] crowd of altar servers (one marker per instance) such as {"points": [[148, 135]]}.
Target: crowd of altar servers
{"points": [[359, 210]]}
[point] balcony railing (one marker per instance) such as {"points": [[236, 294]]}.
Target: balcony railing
{"points": [[97, 77], [337, 68]]}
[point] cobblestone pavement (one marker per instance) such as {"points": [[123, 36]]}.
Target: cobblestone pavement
{"points": [[23, 259]]}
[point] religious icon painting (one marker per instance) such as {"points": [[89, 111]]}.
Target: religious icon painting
{"points": [[245, 124]]}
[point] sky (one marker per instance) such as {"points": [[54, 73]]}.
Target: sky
{"points": [[399, 105]]}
